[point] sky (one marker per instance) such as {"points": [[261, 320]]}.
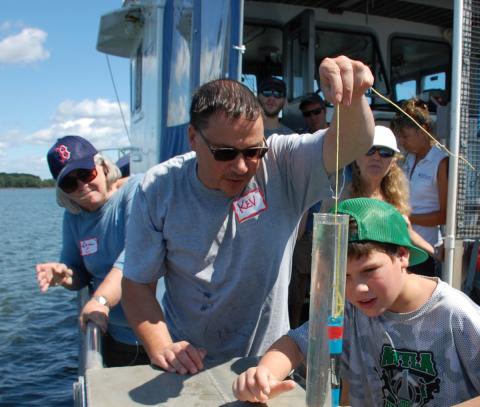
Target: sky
{"points": [[53, 81]]}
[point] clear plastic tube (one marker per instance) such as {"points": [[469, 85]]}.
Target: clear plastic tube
{"points": [[327, 301]]}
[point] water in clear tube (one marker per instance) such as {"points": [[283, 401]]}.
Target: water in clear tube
{"points": [[327, 300]]}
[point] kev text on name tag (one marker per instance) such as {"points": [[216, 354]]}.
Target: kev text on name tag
{"points": [[249, 205]]}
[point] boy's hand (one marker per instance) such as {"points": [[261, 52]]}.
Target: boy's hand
{"points": [[53, 274], [257, 384]]}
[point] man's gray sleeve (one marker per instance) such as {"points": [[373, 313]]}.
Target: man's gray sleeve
{"points": [[145, 246]]}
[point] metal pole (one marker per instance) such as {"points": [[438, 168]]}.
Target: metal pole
{"points": [[240, 36], [457, 46]]}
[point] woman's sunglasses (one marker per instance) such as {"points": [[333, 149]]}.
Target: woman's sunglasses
{"points": [[384, 152], [69, 183], [315, 112], [275, 93], [230, 153]]}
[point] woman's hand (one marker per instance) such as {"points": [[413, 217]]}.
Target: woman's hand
{"points": [[53, 274], [258, 385], [95, 312]]}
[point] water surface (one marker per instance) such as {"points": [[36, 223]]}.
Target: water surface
{"points": [[38, 332]]}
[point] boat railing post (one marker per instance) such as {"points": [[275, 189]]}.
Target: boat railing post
{"points": [[93, 336], [83, 296]]}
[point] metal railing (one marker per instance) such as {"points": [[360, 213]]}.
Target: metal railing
{"points": [[89, 352]]}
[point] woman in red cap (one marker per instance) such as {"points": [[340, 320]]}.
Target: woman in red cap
{"points": [[97, 204]]}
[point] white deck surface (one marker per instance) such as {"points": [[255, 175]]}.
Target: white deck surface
{"points": [[146, 386]]}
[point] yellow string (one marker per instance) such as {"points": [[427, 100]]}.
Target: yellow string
{"points": [[338, 300], [337, 165], [423, 129]]}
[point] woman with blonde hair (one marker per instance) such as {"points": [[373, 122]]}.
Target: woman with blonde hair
{"points": [[97, 204], [378, 175], [426, 168]]}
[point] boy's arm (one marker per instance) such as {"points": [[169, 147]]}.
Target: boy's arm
{"points": [[282, 357], [475, 402], [258, 384]]}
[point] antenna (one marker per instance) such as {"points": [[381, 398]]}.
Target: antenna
{"points": [[118, 99]]}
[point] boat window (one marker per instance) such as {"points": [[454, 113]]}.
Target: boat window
{"points": [[215, 37], [356, 45], [136, 79], [250, 81], [406, 90], [179, 91], [263, 57], [297, 68], [423, 63]]}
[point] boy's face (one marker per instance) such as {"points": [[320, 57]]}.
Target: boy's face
{"points": [[374, 283]]}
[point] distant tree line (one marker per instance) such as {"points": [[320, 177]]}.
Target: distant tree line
{"points": [[16, 180]]}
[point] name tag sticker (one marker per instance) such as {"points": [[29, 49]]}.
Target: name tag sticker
{"points": [[249, 205], [89, 246]]}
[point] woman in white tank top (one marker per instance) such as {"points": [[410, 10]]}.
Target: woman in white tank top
{"points": [[426, 167]]}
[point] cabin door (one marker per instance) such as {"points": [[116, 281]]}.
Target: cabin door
{"points": [[299, 54]]}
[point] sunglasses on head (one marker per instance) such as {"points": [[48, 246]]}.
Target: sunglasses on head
{"points": [[69, 183], [315, 112], [384, 152], [230, 153], [275, 93]]}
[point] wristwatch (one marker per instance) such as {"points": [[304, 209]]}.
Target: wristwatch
{"points": [[101, 300]]}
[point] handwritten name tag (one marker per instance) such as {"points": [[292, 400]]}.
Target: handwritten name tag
{"points": [[89, 246], [249, 205]]}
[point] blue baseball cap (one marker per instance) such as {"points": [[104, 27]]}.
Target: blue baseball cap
{"points": [[68, 154]]}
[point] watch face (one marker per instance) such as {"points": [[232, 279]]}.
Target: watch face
{"points": [[100, 299]]}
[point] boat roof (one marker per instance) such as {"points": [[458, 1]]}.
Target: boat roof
{"points": [[439, 13]]}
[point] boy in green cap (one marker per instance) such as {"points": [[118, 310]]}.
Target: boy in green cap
{"points": [[409, 340]]}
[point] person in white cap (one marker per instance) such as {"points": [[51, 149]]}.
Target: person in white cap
{"points": [[377, 174]]}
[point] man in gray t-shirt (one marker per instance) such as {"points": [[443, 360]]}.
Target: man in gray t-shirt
{"points": [[219, 223]]}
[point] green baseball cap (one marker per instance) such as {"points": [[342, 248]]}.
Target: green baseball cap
{"points": [[379, 221]]}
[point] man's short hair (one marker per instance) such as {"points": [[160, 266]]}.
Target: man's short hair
{"points": [[231, 97], [273, 83], [311, 98]]}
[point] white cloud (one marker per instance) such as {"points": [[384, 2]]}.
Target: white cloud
{"points": [[99, 121], [26, 47]]}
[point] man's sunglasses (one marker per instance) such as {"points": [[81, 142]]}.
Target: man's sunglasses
{"points": [[384, 152], [315, 112], [69, 183], [230, 153], [275, 93]]}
